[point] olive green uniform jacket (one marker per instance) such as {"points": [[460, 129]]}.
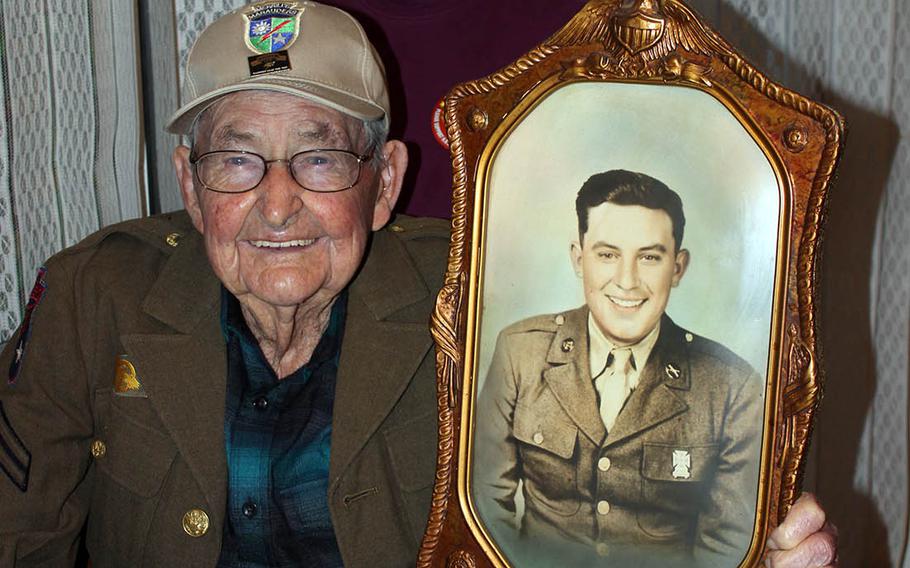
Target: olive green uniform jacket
{"points": [[674, 481], [134, 466]]}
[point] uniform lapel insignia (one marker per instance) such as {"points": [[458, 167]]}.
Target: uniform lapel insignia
{"points": [[672, 371], [126, 381], [682, 462]]}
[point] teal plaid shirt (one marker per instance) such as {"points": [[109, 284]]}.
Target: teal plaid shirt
{"points": [[277, 436]]}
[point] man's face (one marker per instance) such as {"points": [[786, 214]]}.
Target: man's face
{"points": [[322, 236], [628, 264]]}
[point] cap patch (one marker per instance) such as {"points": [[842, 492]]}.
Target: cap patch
{"points": [[34, 299], [269, 63], [271, 26]]}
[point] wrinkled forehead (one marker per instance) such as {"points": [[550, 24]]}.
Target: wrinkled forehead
{"points": [[268, 117]]}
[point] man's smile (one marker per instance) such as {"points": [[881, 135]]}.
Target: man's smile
{"points": [[282, 244], [624, 303]]}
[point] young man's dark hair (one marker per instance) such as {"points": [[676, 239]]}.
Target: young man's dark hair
{"points": [[623, 187]]}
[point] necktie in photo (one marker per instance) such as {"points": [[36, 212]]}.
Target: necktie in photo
{"points": [[613, 385]]}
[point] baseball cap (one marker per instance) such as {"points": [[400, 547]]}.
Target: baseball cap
{"points": [[301, 48]]}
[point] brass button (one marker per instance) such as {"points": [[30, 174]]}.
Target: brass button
{"points": [[560, 319], [396, 228], [98, 449], [602, 549], [538, 438], [603, 464], [173, 239], [689, 337], [195, 522], [603, 507]]}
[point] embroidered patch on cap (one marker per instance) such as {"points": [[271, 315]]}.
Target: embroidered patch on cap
{"points": [[15, 459], [269, 63], [34, 299], [126, 381], [271, 26]]}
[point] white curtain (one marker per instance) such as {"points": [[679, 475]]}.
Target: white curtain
{"points": [[70, 133]]}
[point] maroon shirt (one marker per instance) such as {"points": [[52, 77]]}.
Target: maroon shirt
{"points": [[428, 47]]}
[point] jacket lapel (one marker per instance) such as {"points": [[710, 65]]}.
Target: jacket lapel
{"points": [[654, 401], [569, 375], [184, 371], [378, 357]]}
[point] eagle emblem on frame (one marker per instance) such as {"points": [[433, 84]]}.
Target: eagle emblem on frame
{"points": [[649, 29]]}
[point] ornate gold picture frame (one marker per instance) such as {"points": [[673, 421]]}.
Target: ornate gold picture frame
{"points": [[626, 339]]}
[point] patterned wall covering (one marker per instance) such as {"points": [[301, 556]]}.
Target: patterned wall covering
{"points": [[70, 148]]}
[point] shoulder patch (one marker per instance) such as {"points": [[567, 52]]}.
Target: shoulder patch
{"points": [[15, 459], [34, 299]]}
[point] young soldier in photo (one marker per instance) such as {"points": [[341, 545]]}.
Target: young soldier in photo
{"points": [[632, 438]]}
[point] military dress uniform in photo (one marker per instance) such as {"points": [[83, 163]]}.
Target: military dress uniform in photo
{"points": [[672, 483], [126, 360]]}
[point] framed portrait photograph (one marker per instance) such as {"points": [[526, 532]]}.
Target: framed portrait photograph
{"points": [[626, 342]]}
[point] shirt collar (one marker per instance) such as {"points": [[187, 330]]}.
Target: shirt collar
{"points": [[233, 324], [600, 348]]}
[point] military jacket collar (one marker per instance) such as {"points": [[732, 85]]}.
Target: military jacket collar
{"points": [[653, 401], [187, 388]]}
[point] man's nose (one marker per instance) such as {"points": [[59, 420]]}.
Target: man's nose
{"points": [[626, 276], [281, 197]]}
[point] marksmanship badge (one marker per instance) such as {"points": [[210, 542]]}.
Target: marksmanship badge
{"points": [[271, 26], [682, 462]]}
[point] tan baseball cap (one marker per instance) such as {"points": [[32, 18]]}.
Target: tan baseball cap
{"points": [[301, 48]]}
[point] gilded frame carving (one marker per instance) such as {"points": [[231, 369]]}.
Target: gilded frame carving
{"points": [[635, 42]]}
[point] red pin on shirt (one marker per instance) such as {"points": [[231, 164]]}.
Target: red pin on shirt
{"points": [[438, 124]]}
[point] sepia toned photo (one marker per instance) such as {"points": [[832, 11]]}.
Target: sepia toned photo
{"points": [[623, 336]]}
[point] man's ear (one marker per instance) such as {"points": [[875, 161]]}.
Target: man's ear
{"points": [[575, 255], [680, 264], [391, 177], [184, 169]]}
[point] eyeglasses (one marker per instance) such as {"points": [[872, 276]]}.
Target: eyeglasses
{"points": [[237, 171]]}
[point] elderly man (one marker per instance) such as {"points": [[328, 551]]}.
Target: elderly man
{"points": [[249, 382], [217, 386]]}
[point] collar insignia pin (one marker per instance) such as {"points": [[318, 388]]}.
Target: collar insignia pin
{"points": [[568, 345], [271, 26], [682, 462], [672, 371]]}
